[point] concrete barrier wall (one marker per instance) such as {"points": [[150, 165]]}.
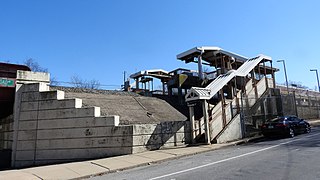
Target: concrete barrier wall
{"points": [[165, 134]]}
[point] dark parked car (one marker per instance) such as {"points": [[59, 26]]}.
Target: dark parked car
{"points": [[285, 125]]}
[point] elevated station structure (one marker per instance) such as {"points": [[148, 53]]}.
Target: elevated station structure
{"points": [[176, 82], [145, 77], [227, 93], [221, 100]]}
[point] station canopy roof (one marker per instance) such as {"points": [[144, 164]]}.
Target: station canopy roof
{"points": [[209, 54], [213, 56], [157, 73]]}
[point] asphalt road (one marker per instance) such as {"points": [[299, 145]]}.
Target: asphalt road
{"points": [[289, 158]]}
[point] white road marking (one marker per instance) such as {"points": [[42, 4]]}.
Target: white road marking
{"points": [[231, 158]]}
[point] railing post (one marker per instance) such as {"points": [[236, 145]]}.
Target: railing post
{"points": [[254, 84], [223, 102], [242, 116], [265, 74], [206, 121]]}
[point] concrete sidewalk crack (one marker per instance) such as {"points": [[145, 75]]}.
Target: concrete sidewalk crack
{"points": [[100, 166], [37, 176]]}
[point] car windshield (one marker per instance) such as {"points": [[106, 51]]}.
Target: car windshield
{"points": [[278, 119]]}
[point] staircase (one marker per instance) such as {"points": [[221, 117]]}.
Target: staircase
{"points": [[224, 117], [218, 131], [197, 93]]}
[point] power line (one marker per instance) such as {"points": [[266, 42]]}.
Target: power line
{"points": [[74, 83]]}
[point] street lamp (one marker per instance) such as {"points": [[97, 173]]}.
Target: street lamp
{"points": [[285, 73], [317, 77]]}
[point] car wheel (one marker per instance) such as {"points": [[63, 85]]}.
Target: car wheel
{"points": [[308, 129], [291, 133]]}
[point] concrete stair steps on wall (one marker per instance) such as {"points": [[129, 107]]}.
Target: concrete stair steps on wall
{"points": [[50, 127]]}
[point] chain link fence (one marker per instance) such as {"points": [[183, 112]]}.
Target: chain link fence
{"points": [[302, 105]]}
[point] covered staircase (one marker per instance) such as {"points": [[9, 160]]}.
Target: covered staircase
{"points": [[227, 100]]}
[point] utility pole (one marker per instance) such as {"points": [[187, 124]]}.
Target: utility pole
{"points": [[124, 77], [285, 73], [317, 77]]}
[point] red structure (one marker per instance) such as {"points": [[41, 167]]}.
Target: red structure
{"points": [[8, 73]]}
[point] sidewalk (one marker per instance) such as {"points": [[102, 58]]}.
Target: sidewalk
{"points": [[90, 168], [314, 122]]}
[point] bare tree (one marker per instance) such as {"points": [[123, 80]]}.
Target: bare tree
{"points": [[54, 81], [78, 82], [94, 84], [35, 66]]}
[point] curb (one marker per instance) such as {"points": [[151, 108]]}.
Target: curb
{"points": [[235, 143], [239, 142], [249, 140], [203, 148]]}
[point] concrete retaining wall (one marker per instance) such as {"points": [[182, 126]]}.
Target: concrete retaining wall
{"points": [[306, 105], [6, 133], [51, 129], [6, 139], [164, 134]]}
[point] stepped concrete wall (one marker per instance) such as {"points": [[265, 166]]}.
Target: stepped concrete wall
{"points": [[132, 108], [49, 128]]}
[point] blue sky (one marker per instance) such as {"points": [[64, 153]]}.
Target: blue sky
{"points": [[101, 39]]}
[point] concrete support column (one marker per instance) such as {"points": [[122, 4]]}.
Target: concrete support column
{"points": [[273, 76], [206, 121], [137, 83], [295, 102], [265, 74], [163, 88], [200, 66], [180, 95], [169, 91], [192, 121], [16, 116]]}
